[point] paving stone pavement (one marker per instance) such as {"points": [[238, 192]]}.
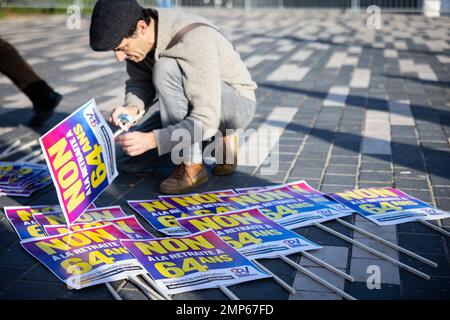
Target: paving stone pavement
{"points": [[355, 107]]}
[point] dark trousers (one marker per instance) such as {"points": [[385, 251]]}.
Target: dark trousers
{"points": [[22, 75]]}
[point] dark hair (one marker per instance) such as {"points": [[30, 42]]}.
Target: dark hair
{"points": [[147, 15]]}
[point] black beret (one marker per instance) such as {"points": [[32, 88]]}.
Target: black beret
{"points": [[111, 22]]}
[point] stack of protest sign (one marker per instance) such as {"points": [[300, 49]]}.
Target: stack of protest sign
{"points": [[380, 204], [290, 206], [82, 245], [213, 239], [383, 206], [78, 258], [162, 213], [85, 257], [251, 233], [254, 234], [22, 179], [90, 252], [282, 204], [221, 234]]}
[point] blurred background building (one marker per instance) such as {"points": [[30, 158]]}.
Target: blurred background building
{"points": [[427, 6]]}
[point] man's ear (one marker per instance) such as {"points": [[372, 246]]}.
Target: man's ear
{"points": [[142, 27]]}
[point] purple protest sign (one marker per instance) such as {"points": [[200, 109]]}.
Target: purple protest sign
{"points": [[387, 206], [128, 225], [23, 222], [87, 257], [198, 261], [160, 214], [90, 215], [288, 208], [251, 233], [201, 203]]}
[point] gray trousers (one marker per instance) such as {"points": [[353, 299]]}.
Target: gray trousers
{"points": [[171, 107]]}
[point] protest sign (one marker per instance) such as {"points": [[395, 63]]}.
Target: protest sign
{"points": [[251, 233], [28, 173], [80, 155], [90, 215], [128, 225], [161, 215], [251, 189], [29, 189], [198, 261], [288, 208], [86, 257], [23, 222], [7, 170], [22, 179], [201, 203], [387, 206], [304, 188]]}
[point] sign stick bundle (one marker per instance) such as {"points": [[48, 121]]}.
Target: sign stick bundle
{"points": [[307, 190], [30, 224], [315, 195], [256, 237], [199, 204]]}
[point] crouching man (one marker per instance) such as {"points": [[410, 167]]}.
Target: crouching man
{"points": [[186, 67]]}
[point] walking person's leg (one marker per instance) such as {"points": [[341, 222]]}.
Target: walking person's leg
{"points": [[43, 97], [15, 67]]}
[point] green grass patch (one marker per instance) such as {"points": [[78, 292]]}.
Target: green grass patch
{"points": [[12, 12]]}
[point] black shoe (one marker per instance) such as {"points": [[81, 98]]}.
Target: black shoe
{"points": [[42, 113]]}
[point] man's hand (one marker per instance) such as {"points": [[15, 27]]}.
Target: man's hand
{"points": [[114, 117], [137, 143]]}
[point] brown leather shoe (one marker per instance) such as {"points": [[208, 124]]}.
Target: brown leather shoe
{"points": [[184, 179], [229, 164]]}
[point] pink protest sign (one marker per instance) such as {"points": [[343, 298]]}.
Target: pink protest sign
{"points": [[80, 156]]}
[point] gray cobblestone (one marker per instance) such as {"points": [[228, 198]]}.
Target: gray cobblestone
{"points": [[354, 123]]}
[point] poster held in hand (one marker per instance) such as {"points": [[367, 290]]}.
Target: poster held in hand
{"points": [[80, 155]]}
